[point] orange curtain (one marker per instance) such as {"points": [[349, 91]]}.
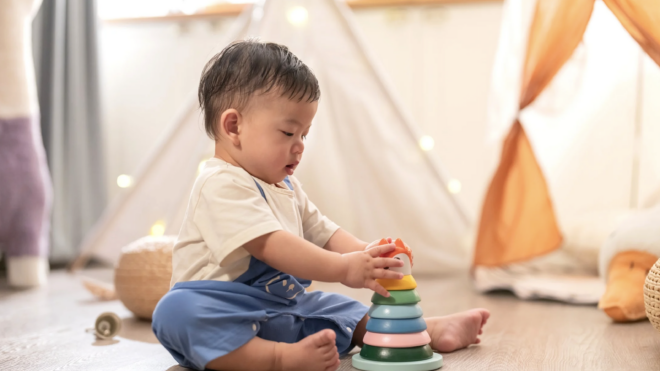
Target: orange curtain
{"points": [[641, 18], [517, 219]]}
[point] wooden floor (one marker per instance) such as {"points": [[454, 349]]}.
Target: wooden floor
{"points": [[44, 329]]}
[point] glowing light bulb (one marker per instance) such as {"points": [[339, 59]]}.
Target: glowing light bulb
{"points": [[426, 143], [124, 181], [297, 16], [454, 186], [158, 229]]}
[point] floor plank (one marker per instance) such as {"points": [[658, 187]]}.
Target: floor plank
{"points": [[44, 329]]}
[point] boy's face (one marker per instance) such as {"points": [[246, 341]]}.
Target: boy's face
{"points": [[272, 135]]}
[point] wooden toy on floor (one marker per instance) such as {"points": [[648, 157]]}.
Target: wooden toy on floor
{"points": [[107, 326], [396, 338]]}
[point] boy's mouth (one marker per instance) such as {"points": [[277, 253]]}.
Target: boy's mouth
{"points": [[291, 167]]}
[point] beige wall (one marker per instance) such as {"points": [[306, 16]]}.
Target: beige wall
{"points": [[438, 58]]}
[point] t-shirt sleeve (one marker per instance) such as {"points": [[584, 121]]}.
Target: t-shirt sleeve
{"points": [[317, 228], [232, 212]]}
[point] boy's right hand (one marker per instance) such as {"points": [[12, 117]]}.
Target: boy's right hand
{"points": [[362, 268]]}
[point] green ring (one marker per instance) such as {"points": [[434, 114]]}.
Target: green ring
{"points": [[382, 354], [397, 298], [433, 363]]}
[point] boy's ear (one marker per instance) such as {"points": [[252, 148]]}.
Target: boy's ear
{"points": [[230, 125]]}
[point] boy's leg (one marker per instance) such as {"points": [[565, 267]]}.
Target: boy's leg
{"points": [[341, 314], [448, 333], [315, 352], [227, 330]]}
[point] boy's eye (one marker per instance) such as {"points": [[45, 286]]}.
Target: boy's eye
{"points": [[287, 134]]}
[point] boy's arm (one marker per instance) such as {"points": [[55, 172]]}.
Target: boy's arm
{"points": [[289, 253], [343, 242]]}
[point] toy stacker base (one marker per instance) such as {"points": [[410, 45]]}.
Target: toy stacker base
{"points": [[433, 363]]}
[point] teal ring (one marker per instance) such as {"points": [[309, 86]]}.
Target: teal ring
{"points": [[395, 311], [396, 326]]}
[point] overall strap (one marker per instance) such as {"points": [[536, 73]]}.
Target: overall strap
{"points": [[288, 183], [261, 190]]}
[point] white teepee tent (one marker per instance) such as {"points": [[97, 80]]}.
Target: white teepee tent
{"points": [[362, 164]]}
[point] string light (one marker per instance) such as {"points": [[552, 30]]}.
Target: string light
{"points": [[454, 186], [158, 229], [297, 16], [426, 143], [124, 181]]}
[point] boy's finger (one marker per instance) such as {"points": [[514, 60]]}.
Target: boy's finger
{"points": [[380, 250], [387, 262], [388, 274], [378, 288]]}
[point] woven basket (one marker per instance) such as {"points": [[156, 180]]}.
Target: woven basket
{"points": [[143, 274], [652, 295]]}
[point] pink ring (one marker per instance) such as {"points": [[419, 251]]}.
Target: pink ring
{"points": [[397, 340]]}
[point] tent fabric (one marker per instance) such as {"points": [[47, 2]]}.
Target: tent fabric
{"points": [[556, 31], [157, 196], [641, 18], [583, 126], [518, 221], [162, 185], [506, 79], [362, 165], [513, 230]]}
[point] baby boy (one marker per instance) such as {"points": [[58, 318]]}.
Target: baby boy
{"points": [[252, 241]]}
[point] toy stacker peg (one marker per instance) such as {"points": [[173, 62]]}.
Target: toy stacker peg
{"points": [[396, 337]]}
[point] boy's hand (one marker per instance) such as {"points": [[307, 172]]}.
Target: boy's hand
{"points": [[362, 268], [375, 243]]}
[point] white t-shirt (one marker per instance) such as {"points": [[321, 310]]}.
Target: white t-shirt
{"points": [[226, 210]]}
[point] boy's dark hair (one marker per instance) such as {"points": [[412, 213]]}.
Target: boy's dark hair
{"points": [[245, 67]]}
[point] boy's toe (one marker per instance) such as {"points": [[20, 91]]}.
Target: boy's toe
{"points": [[333, 366]]}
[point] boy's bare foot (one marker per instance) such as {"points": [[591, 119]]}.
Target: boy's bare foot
{"points": [[316, 352], [456, 331]]}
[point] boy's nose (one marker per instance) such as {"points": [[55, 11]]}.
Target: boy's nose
{"points": [[298, 147]]}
